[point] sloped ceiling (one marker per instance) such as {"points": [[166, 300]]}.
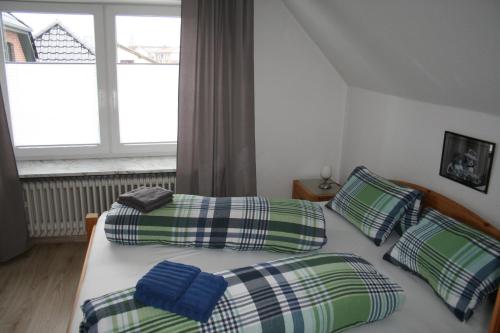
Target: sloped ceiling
{"points": [[438, 51]]}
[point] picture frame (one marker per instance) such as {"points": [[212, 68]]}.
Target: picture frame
{"points": [[467, 160]]}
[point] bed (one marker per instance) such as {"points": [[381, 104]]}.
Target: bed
{"points": [[109, 267]]}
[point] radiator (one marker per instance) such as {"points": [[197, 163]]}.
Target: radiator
{"points": [[57, 206]]}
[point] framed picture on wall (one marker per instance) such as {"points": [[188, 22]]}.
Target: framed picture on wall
{"points": [[467, 160]]}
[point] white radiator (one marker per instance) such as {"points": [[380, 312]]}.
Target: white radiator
{"points": [[57, 206]]}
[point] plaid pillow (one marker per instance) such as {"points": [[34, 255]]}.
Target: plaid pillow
{"points": [[461, 264], [373, 204], [411, 216]]}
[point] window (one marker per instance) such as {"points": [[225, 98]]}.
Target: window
{"points": [[147, 66], [90, 80], [10, 52], [61, 81]]}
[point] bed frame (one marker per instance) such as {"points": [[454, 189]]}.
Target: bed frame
{"points": [[453, 209], [431, 199]]}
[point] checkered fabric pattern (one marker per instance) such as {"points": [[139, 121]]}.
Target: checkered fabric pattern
{"points": [[313, 293], [461, 264], [411, 216], [239, 223], [373, 204]]}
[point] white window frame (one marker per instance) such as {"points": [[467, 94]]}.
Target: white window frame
{"points": [[111, 11], [106, 67]]}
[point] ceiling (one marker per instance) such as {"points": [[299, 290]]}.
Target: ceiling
{"points": [[438, 51]]}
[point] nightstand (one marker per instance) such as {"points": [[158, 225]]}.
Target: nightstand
{"points": [[307, 189]]}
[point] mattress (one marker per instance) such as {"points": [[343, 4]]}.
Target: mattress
{"points": [[112, 267]]}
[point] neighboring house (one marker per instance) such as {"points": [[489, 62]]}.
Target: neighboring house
{"points": [[19, 44], [147, 55], [126, 55], [160, 54], [57, 44]]}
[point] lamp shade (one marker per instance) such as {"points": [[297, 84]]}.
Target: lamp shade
{"points": [[326, 172]]}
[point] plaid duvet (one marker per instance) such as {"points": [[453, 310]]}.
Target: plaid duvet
{"points": [[374, 205], [313, 293], [239, 223], [461, 264]]}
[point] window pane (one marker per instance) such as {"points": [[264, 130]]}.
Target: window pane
{"points": [[51, 78], [147, 70]]}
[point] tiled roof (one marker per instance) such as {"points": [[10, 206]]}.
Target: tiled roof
{"points": [[57, 44]]}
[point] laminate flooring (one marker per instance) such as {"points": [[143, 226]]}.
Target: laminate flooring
{"points": [[37, 289]]}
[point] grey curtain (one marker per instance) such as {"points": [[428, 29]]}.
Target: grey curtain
{"points": [[13, 225], [216, 138]]}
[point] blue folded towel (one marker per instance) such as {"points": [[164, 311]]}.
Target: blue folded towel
{"points": [[164, 284], [181, 289], [200, 298]]}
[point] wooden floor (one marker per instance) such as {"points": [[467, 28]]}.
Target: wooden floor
{"points": [[37, 289]]}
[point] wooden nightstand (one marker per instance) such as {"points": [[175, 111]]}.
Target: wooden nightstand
{"points": [[307, 189]]}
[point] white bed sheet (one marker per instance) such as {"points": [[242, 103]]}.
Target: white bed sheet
{"points": [[112, 267]]}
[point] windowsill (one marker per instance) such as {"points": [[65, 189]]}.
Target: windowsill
{"points": [[96, 166]]}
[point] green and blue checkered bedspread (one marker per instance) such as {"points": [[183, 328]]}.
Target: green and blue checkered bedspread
{"points": [[239, 223], [313, 293]]}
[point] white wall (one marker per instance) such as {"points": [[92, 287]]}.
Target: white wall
{"points": [[402, 139], [300, 106], [444, 52], [299, 102]]}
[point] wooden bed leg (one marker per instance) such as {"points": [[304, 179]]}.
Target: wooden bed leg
{"points": [[90, 222], [495, 316]]}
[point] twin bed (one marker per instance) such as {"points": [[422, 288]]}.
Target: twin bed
{"points": [[109, 267]]}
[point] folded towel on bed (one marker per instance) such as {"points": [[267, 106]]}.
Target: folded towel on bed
{"points": [[146, 199], [181, 289], [164, 284], [200, 298]]}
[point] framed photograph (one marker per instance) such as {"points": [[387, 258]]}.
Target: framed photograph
{"points": [[467, 160]]}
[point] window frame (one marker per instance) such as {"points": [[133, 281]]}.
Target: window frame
{"points": [[106, 70], [110, 13], [10, 51]]}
